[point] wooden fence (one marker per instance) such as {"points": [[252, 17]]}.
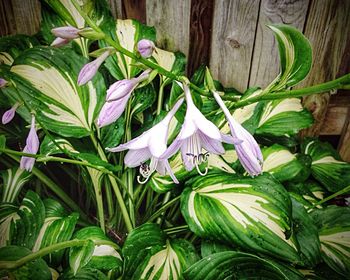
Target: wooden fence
{"points": [[232, 38]]}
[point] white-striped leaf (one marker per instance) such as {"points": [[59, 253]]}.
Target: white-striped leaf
{"points": [[252, 213], [150, 255], [85, 273], [239, 265], [327, 167], [209, 247], [284, 165], [8, 214], [58, 227], [47, 79], [334, 230], [49, 147], [295, 56], [102, 257], [13, 181]]}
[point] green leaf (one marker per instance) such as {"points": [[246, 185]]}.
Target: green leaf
{"points": [[36, 269], [31, 215], [8, 214], [47, 79], [143, 98], [209, 247], [2, 142], [307, 235], [13, 181], [239, 265], [84, 274], [283, 165], [111, 135], [49, 147], [102, 257], [149, 254], [252, 213], [295, 56], [308, 193], [58, 227], [333, 225], [327, 166]]}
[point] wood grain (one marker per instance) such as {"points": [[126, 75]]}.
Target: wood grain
{"points": [[326, 29], [116, 8], [134, 9], [234, 25], [172, 22], [7, 20], [200, 34], [265, 64], [335, 119], [344, 143]]}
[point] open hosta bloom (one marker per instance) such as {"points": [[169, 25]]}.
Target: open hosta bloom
{"points": [[150, 145], [89, 70], [248, 150], [32, 147], [9, 114], [117, 97], [196, 133]]}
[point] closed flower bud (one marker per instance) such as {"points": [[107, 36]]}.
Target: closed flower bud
{"points": [[9, 114], [32, 147], [59, 42], [145, 48], [3, 82], [90, 69], [66, 32]]}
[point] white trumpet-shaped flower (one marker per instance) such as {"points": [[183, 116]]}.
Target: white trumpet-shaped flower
{"points": [[150, 145], [248, 150], [197, 133]]}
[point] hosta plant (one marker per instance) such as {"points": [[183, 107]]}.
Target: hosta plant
{"points": [[115, 165]]}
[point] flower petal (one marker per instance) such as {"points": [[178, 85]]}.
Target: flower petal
{"points": [[111, 111], [134, 158], [211, 145], [187, 159], [170, 171], [173, 148]]}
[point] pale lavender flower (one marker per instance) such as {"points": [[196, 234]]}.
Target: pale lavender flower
{"points": [[247, 149], [59, 42], [196, 133], [32, 147], [3, 82], [145, 48], [117, 97], [89, 70], [9, 114], [66, 32], [150, 145]]}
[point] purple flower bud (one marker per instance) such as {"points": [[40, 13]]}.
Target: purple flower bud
{"points": [[32, 147], [59, 42], [3, 82], [9, 114], [66, 32], [145, 48], [89, 70]]}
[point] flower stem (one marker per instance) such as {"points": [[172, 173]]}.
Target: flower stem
{"points": [[9, 265], [343, 191], [161, 210]]}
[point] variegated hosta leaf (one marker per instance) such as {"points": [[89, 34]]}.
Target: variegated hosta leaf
{"points": [[8, 214], [102, 257], [58, 227], [284, 165], [13, 46], [47, 79], [30, 218], [49, 147], [333, 225], [85, 273], [36, 269], [127, 33], [150, 255], [306, 233], [252, 213], [295, 56], [13, 180], [239, 265], [285, 116], [327, 166], [209, 247]]}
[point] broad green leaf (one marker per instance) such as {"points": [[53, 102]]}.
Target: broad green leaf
{"points": [[150, 255], [8, 214], [252, 213], [102, 257], [285, 116], [295, 56], [284, 165], [111, 135], [209, 247], [327, 167], [308, 193], [13, 181], [13, 46], [142, 99], [2, 142], [239, 265], [58, 227], [36, 269], [47, 79], [84, 274], [127, 33], [321, 272], [307, 235], [333, 225], [31, 215], [49, 147]]}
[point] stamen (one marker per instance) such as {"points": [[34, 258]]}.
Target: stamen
{"points": [[146, 170], [199, 159]]}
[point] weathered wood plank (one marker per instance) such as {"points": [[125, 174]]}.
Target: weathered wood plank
{"points": [[7, 20], [325, 28], [172, 22], [116, 8], [265, 64], [232, 41], [27, 15], [335, 119], [200, 34], [344, 143], [134, 9]]}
